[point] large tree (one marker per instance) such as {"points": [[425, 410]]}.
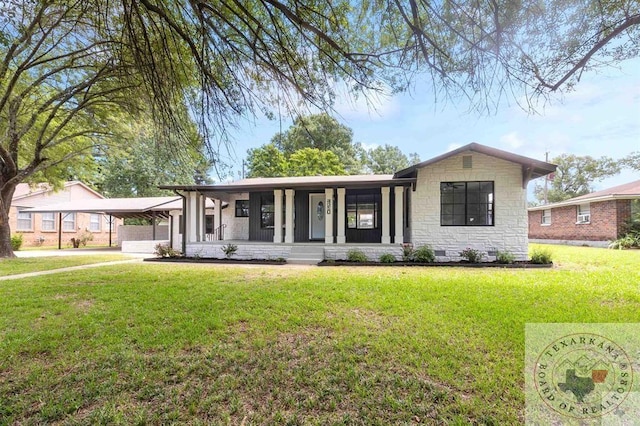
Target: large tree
{"points": [[389, 159], [72, 70], [135, 164], [575, 176], [325, 133]]}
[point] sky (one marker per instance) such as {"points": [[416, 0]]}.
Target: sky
{"points": [[600, 117]]}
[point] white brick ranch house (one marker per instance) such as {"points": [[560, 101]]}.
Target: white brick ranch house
{"points": [[474, 196]]}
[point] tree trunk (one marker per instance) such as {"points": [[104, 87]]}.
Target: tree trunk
{"points": [[6, 195]]}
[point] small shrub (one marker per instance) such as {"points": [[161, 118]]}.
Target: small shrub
{"points": [[85, 237], [16, 242], [505, 257], [628, 241], [424, 254], [163, 250], [355, 255], [471, 255], [407, 252], [387, 258], [542, 257], [229, 250]]}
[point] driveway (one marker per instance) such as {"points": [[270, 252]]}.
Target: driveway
{"points": [[85, 251]]}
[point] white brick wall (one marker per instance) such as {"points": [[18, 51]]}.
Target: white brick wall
{"points": [[511, 226], [142, 246], [141, 233], [245, 251], [237, 227]]}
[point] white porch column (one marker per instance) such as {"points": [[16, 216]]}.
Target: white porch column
{"points": [[399, 225], [203, 229], [191, 214], [217, 215], [288, 220], [341, 238], [277, 215], [386, 238], [328, 218]]}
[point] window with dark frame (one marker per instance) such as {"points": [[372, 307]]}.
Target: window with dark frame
{"points": [[242, 208], [209, 224], [362, 211], [267, 209], [467, 203]]}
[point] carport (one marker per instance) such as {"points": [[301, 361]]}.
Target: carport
{"points": [[152, 208]]}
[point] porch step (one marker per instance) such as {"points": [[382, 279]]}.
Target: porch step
{"points": [[306, 255]]}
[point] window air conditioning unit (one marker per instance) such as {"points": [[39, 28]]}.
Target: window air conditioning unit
{"points": [[584, 218]]}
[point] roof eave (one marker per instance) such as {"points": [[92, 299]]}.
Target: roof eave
{"points": [[575, 202]]}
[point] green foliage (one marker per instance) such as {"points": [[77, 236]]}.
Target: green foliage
{"points": [[316, 145], [135, 164], [407, 252], [630, 240], [314, 162], [355, 255], [16, 241], [266, 161], [322, 132], [424, 254], [541, 256], [387, 258], [471, 255], [229, 250], [505, 257], [575, 176], [388, 159], [632, 161], [165, 250]]}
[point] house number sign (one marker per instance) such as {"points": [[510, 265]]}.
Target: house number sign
{"points": [[328, 207]]}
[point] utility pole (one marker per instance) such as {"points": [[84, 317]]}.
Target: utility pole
{"points": [[243, 165]]}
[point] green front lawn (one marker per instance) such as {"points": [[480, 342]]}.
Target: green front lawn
{"points": [[156, 343], [21, 265]]}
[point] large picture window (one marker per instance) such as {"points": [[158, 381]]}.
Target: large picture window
{"points": [[466, 203], [267, 209], [362, 211]]}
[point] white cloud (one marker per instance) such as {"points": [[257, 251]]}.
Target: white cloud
{"points": [[512, 140], [370, 105]]}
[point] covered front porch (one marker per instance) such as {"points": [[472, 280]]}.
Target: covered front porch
{"points": [[366, 210]]}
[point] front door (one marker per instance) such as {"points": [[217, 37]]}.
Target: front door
{"points": [[316, 216]]}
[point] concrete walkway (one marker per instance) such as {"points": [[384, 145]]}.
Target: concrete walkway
{"points": [[67, 269]]}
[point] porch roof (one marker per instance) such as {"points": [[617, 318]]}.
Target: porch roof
{"points": [[144, 207], [298, 182]]}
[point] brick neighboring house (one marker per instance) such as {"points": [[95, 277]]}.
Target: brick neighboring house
{"points": [[591, 219], [41, 229]]}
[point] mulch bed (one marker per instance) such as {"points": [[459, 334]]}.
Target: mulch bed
{"points": [[515, 265], [212, 260]]}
